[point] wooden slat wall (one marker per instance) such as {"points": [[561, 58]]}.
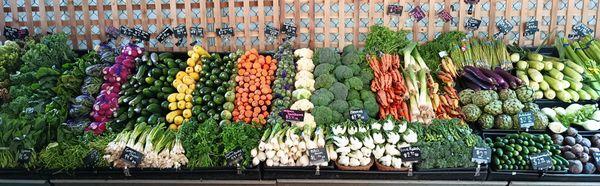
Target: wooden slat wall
{"points": [[320, 23]]}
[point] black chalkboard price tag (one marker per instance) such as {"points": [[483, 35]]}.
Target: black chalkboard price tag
{"points": [[132, 156], [317, 156], [24, 156], [472, 24], [504, 26], [180, 31], [471, 5], [582, 30], [91, 159], [596, 156], [123, 30], [445, 15], [359, 114], [395, 10], [531, 27], [541, 161], [481, 155], [410, 154], [196, 31], [10, 33], [417, 13], [271, 31], [141, 34], [234, 157], [293, 115], [526, 119], [225, 32], [164, 34], [289, 30]]}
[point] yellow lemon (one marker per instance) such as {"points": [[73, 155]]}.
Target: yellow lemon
{"points": [[182, 88], [198, 68], [187, 113], [189, 91], [195, 75], [188, 97], [172, 97], [191, 62], [173, 127], [180, 75], [173, 106], [178, 120], [189, 70], [190, 53], [188, 80], [180, 96], [176, 82], [188, 105], [181, 104]]}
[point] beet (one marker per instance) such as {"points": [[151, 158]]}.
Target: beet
{"points": [[569, 141], [577, 149], [575, 166], [586, 142], [569, 155], [584, 158], [558, 139], [578, 138], [572, 131], [565, 148], [589, 168]]}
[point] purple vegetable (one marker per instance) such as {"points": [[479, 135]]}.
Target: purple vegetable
{"points": [[503, 84], [476, 73], [477, 82], [513, 81]]}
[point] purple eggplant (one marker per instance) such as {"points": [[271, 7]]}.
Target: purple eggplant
{"points": [[513, 81], [476, 73], [470, 85], [484, 85], [499, 80]]}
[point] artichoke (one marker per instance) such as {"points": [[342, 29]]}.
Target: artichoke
{"points": [[493, 93], [466, 96], [512, 106], [503, 121], [525, 94], [471, 112], [531, 107], [494, 108], [482, 98], [486, 121], [540, 120], [515, 120], [506, 94]]}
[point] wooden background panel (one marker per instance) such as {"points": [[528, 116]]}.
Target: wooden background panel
{"points": [[320, 23]]}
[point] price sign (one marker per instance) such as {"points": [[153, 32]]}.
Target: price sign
{"points": [[504, 26], [526, 119], [123, 30], [359, 114], [531, 27], [132, 156], [180, 32], [164, 34], [395, 10], [582, 30], [271, 31], [11, 33], [596, 156], [91, 159], [234, 156], [293, 115], [225, 33], [112, 32], [471, 5], [541, 161], [141, 34], [481, 155], [445, 15], [24, 156], [410, 154], [472, 24], [196, 31], [417, 13], [317, 156], [289, 30]]}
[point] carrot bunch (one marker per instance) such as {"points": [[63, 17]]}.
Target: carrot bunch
{"points": [[389, 86], [447, 106], [253, 90]]}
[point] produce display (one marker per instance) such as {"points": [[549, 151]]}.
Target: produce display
{"points": [[375, 108], [511, 152], [500, 109]]}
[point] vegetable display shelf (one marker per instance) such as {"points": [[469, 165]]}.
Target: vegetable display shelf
{"points": [[557, 103], [272, 173], [22, 174], [216, 173]]}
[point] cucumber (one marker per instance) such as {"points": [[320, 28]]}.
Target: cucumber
{"points": [[153, 108], [153, 119], [164, 56], [140, 72], [168, 89], [134, 102]]}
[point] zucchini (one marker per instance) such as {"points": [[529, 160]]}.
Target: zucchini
{"points": [[153, 108], [135, 101], [140, 73], [164, 56]]}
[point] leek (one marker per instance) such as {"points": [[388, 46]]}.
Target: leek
{"points": [[564, 96], [572, 73], [535, 57], [544, 86], [574, 94], [547, 65], [555, 74], [534, 85], [535, 75], [554, 83], [524, 78], [538, 94], [591, 92], [550, 94], [558, 65], [584, 95], [538, 65]]}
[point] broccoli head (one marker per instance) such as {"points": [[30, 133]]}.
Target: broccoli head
{"points": [[340, 106], [324, 68], [324, 81], [366, 75], [356, 69], [350, 58], [367, 95], [339, 90], [343, 72], [349, 49], [337, 117], [355, 104], [321, 97], [353, 94], [326, 55], [354, 83], [371, 107], [323, 115]]}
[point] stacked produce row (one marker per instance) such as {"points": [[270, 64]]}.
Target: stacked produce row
{"points": [[391, 106]]}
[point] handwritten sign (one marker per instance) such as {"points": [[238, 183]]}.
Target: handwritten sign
{"points": [[293, 115], [15, 33], [526, 119], [164, 34], [417, 13], [180, 31], [234, 156], [141, 34], [317, 156], [225, 32], [126, 31], [445, 15], [289, 30], [271, 31], [541, 161], [395, 10], [196, 31], [471, 5], [531, 27], [472, 24], [359, 114], [132, 156], [504, 26], [582, 30], [596, 156], [91, 159], [24, 156], [410, 154], [481, 155]]}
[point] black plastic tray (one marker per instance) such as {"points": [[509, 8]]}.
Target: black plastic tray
{"points": [[217, 173], [272, 173], [18, 173]]}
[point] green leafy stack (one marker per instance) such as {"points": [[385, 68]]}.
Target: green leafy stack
{"points": [[202, 143], [10, 53]]}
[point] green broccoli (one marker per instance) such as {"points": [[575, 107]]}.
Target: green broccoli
{"points": [[353, 94], [321, 97], [349, 49], [354, 83], [321, 69], [323, 115], [356, 69], [355, 104], [343, 72], [324, 81], [326, 55], [351, 58], [339, 90], [367, 95], [338, 117], [371, 107], [340, 106], [366, 76]]}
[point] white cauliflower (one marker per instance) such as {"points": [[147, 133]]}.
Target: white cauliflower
{"points": [[304, 53], [305, 64], [305, 83], [303, 105], [309, 120], [304, 74]]}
